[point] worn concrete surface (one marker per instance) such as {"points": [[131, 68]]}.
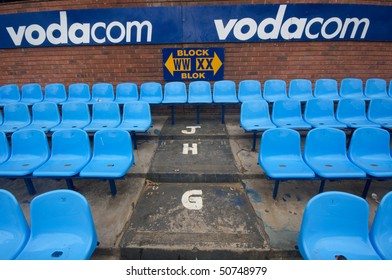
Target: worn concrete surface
{"points": [[278, 221]]}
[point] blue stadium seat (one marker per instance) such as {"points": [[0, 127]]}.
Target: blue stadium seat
{"points": [[280, 156], [62, 228], [16, 116], [55, 93], [376, 88], [199, 93], [380, 111], [4, 147], [351, 88], [224, 92], [29, 150], [352, 112], [249, 90], [31, 93], [136, 118], [336, 224], [319, 112], [326, 88], [126, 92], [287, 113], [14, 230], [79, 92], [73, 115], [45, 116], [105, 115], [300, 89], [1, 118], [112, 156], [102, 92], [370, 150], [9, 94], [325, 152], [381, 230], [254, 117], [69, 154], [175, 93], [275, 90], [151, 92], [390, 89]]}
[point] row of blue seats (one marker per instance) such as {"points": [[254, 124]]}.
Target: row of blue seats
{"points": [[198, 91], [71, 237], [69, 157], [335, 227], [325, 155], [45, 116], [350, 113]]}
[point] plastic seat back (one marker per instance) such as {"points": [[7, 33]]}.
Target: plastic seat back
{"points": [[351, 88], [45, 115], [79, 92], [126, 92], [333, 224], [324, 144], [55, 93], [370, 150], [112, 156], [376, 88], [14, 230], [380, 111], [320, 112], [255, 115], [9, 94], [102, 92], [300, 89], [225, 92], [29, 143], [151, 92], [275, 90], [136, 116], [249, 90], [352, 112], [287, 113], [200, 92], [4, 147], [31, 93], [326, 88], [71, 151], [62, 227], [105, 115], [175, 92], [381, 230], [69, 143], [370, 142], [280, 142], [16, 116], [105, 144], [74, 115], [280, 154], [390, 89]]}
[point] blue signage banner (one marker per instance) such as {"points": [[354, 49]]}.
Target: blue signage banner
{"points": [[193, 64], [197, 24]]}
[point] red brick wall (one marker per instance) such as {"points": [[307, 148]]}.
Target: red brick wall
{"points": [[115, 64]]}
